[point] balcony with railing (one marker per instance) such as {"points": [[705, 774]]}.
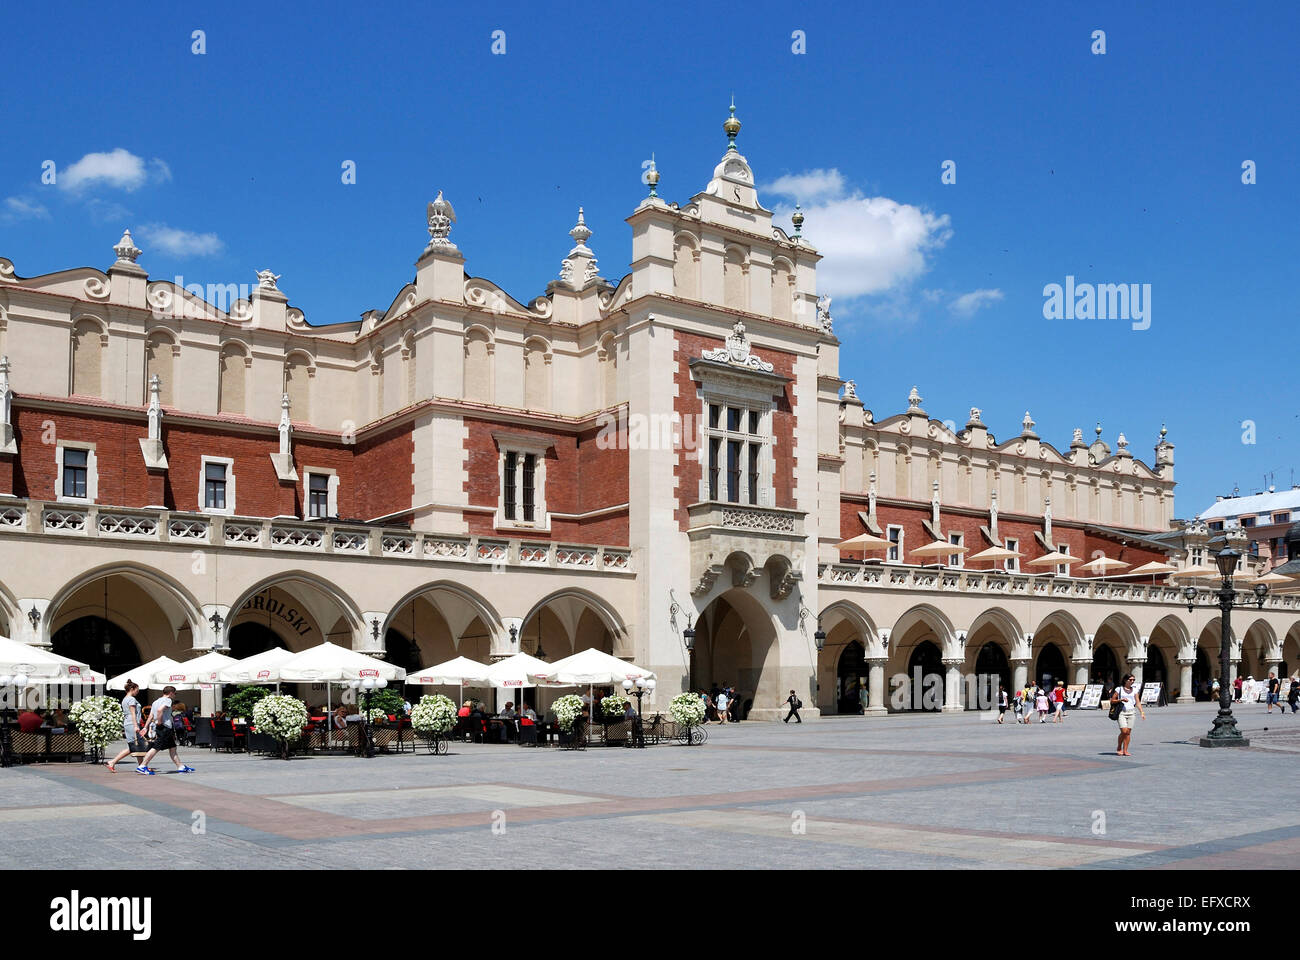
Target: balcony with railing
{"points": [[290, 535]]}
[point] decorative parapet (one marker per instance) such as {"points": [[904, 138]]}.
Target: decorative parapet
{"points": [[91, 521]]}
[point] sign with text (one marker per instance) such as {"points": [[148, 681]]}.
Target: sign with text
{"points": [[1091, 697], [1151, 692], [1074, 694]]}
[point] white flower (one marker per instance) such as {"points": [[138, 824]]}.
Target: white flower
{"points": [[687, 709], [280, 716], [433, 715], [98, 720], [567, 709], [613, 705]]}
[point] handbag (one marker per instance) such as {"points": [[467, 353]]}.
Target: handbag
{"points": [[1115, 708]]}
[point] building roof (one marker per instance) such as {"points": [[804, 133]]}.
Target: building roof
{"points": [[1255, 504]]}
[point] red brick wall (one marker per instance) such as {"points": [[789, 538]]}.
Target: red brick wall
{"points": [[580, 477], [1081, 544], [375, 475], [687, 405]]}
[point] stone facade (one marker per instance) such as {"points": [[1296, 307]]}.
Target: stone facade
{"points": [[604, 465]]}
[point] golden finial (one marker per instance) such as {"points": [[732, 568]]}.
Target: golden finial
{"points": [[731, 125]]}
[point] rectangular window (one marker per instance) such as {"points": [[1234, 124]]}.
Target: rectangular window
{"points": [[895, 536], [733, 419], [214, 486], [1063, 569], [733, 471], [753, 473], [530, 474], [75, 464], [318, 495], [1282, 517], [957, 540], [512, 469], [738, 466], [715, 464], [1198, 556], [1247, 521], [1216, 524], [1013, 563], [714, 413]]}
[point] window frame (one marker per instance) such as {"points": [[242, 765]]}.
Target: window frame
{"points": [[957, 560], [756, 487], [1011, 564], [1063, 569], [229, 509], [522, 447], [92, 471], [890, 555], [331, 491]]}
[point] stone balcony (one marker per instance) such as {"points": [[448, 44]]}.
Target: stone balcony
{"points": [[893, 576], [128, 525], [746, 540]]}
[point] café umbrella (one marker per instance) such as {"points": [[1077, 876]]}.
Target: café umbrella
{"points": [[261, 667], [455, 672], [995, 554], [1053, 559], [191, 673], [1194, 573], [513, 671], [21, 661], [1103, 565], [76, 673], [1155, 568], [142, 674], [330, 663], [589, 668], [862, 543], [939, 548]]}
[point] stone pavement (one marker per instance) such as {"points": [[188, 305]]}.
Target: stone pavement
{"points": [[904, 791]]}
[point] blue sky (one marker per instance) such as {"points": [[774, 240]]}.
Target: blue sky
{"points": [[1117, 168]]}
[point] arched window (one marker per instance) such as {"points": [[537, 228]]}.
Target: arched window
{"points": [[609, 370], [159, 354], [478, 366], [782, 290], [1018, 494], [734, 271], [963, 481], [902, 467], [408, 367], [231, 390], [87, 358], [297, 382], [686, 268], [537, 375]]}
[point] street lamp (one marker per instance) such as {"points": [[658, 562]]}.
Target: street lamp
{"points": [[689, 635], [366, 686], [819, 636], [1224, 733], [638, 688]]}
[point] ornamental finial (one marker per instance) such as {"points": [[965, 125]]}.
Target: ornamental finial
{"points": [[797, 219], [126, 250], [652, 176], [441, 216], [732, 126]]}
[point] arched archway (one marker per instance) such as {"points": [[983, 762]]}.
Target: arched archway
{"points": [[446, 620], [302, 609], [401, 650], [846, 624], [991, 662], [850, 678], [1202, 675], [1050, 666], [99, 642], [925, 677], [1156, 670], [1105, 667], [250, 638], [736, 645]]}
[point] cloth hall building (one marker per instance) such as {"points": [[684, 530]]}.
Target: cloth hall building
{"points": [[604, 465]]}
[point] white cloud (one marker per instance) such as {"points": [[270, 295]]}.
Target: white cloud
{"points": [[118, 168], [809, 186], [870, 245], [179, 243], [23, 208], [969, 303]]}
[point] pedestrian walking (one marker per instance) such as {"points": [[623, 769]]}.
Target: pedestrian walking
{"points": [[1058, 700], [1040, 701], [164, 735], [1123, 702], [1236, 687], [1274, 691], [132, 722], [795, 703], [1002, 703], [1293, 697], [722, 702]]}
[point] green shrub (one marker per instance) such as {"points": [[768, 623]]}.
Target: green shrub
{"points": [[241, 702]]}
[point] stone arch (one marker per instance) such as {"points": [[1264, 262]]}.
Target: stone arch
{"points": [[299, 369], [686, 266], [566, 608], [537, 374], [445, 619], [1061, 627], [233, 378], [1259, 648], [88, 341], [1291, 650], [735, 277], [314, 594], [997, 628], [737, 644], [10, 612], [159, 614], [160, 353], [919, 625], [844, 623], [480, 347]]}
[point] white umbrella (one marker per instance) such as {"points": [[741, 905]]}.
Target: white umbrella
{"points": [[191, 673], [261, 667], [455, 672], [588, 668], [1102, 565], [76, 673], [513, 671], [939, 549], [329, 661], [140, 674], [22, 659], [1053, 559]]}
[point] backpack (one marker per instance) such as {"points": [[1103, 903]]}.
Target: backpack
{"points": [[798, 704]]}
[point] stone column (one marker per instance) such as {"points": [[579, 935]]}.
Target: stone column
{"points": [[1135, 667], [1185, 692], [1019, 673], [1082, 668], [952, 686], [876, 687]]}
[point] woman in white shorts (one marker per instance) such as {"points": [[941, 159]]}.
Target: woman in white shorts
{"points": [[1126, 695]]}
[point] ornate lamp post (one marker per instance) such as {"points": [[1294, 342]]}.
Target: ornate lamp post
{"points": [[367, 686], [1224, 733], [638, 688]]}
